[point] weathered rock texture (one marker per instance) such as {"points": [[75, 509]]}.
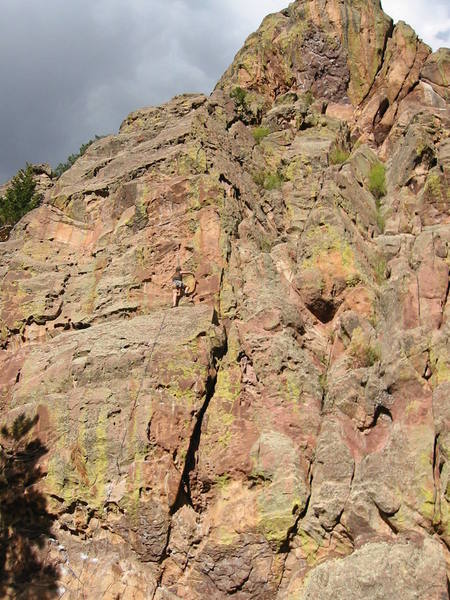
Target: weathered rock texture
{"points": [[284, 432]]}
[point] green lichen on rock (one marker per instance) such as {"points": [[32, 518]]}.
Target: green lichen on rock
{"points": [[283, 495], [365, 353]]}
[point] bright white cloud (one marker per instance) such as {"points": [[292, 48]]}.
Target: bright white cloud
{"points": [[429, 18]]}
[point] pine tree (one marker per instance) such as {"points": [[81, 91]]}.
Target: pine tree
{"points": [[20, 197]]}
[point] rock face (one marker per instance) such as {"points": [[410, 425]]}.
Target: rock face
{"points": [[284, 432]]}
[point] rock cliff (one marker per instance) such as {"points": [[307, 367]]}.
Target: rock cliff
{"points": [[283, 433]]}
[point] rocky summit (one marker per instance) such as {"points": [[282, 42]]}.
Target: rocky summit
{"points": [[284, 432]]}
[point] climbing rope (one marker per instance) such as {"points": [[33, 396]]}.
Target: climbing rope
{"points": [[178, 256], [136, 400], [76, 576]]}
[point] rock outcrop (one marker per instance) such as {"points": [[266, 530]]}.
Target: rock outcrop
{"points": [[284, 432]]}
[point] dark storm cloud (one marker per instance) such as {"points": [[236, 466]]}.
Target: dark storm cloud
{"points": [[70, 69]]}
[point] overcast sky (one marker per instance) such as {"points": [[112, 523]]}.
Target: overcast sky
{"points": [[70, 69]]}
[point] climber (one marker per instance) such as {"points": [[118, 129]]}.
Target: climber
{"points": [[179, 287]]}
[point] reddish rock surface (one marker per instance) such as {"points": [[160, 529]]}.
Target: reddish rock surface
{"points": [[283, 433]]}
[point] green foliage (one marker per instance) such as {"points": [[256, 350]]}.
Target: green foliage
{"points": [[239, 96], [323, 382], [269, 181], [372, 355], [62, 167], [373, 319], [380, 218], [377, 186], [25, 524], [434, 188], [338, 155], [222, 481], [309, 97], [259, 133], [259, 177], [273, 181], [377, 180], [20, 197], [380, 269]]}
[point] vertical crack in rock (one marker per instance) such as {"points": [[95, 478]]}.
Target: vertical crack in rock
{"points": [[324, 378], [388, 36], [339, 518], [437, 484], [418, 299], [183, 496], [164, 556], [444, 304], [292, 531]]}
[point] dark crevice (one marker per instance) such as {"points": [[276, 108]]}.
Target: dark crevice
{"points": [[292, 531], [435, 452], [324, 392], [388, 36], [444, 304], [165, 554], [324, 310], [384, 105], [425, 156], [224, 179], [436, 480], [81, 325], [43, 319], [57, 498], [380, 410], [339, 518], [184, 496], [234, 120], [427, 372], [71, 508], [385, 517], [87, 195], [4, 232]]}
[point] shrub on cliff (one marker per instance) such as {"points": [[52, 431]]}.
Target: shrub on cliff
{"points": [[269, 181], [338, 155], [62, 167], [20, 197], [259, 133], [239, 96], [377, 180]]}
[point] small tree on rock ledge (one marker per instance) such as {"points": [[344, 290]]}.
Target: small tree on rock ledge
{"points": [[20, 197]]}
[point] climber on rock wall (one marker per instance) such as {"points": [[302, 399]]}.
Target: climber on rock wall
{"points": [[179, 287]]}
